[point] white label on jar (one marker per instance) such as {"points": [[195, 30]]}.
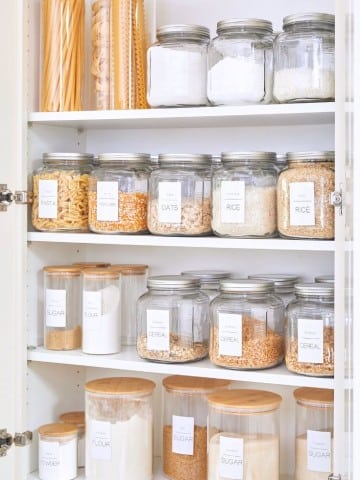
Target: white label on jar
{"points": [[230, 334], [55, 308], [319, 451], [231, 458], [302, 203], [57, 460], [107, 201], [91, 310], [158, 330], [101, 441], [183, 435], [48, 198], [169, 206], [232, 199], [310, 340]]}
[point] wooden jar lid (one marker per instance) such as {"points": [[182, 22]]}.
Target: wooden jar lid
{"points": [[193, 384], [92, 264], [314, 396], [246, 401], [68, 270], [57, 430], [106, 272], [73, 418], [129, 269], [120, 386]]}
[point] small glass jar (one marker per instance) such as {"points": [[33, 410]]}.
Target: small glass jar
{"points": [[118, 193], [185, 425], [177, 66], [209, 280], [325, 279], [57, 451], [314, 433], [101, 311], [247, 323], [309, 330], [304, 59], [244, 435], [119, 428], [62, 308], [78, 420], [241, 62], [303, 196], [180, 195], [60, 192], [244, 195], [173, 320], [284, 284]]}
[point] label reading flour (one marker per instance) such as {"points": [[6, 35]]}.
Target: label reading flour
{"points": [[310, 340], [48, 198], [158, 333], [230, 334], [302, 203], [91, 310], [107, 201], [169, 206], [183, 435], [100, 440], [55, 308], [232, 200], [319, 451], [57, 460], [231, 458]]}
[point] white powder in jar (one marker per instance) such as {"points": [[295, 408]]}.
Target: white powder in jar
{"points": [[301, 470]]}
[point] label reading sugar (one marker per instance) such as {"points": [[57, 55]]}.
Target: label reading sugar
{"points": [[91, 310], [169, 206], [55, 308], [232, 200], [319, 451], [302, 203], [100, 440], [231, 458], [48, 198], [107, 201], [158, 330], [57, 460], [230, 334], [183, 435], [310, 340]]}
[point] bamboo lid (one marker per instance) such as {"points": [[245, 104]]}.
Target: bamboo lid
{"points": [[193, 384], [129, 269], [68, 270], [57, 429], [120, 386], [73, 418], [314, 396], [92, 264], [246, 401], [100, 273]]}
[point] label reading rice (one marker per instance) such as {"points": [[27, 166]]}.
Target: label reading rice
{"points": [[302, 203], [48, 198], [107, 201], [169, 206], [232, 200]]}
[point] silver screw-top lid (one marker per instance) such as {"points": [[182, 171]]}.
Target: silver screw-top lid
{"points": [[55, 157], [325, 279], [314, 290], [281, 158], [246, 286], [123, 158], [313, 156], [244, 25], [324, 18], [233, 157], [279, 279], [184, 158], [185, 31], [173, 282]]}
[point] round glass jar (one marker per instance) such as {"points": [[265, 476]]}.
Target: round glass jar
{"points": [[118, 193], [284, 284], [304, 59], [177, 66], [325, 279], [209, 280], [244, 435], [303, 196], [60, 192], [180, 195], [119, 428], [240, 62], [244, 195], [173, 320], [314, 433], [247, 323], [62, 308], [309, 330], [78, 420]]}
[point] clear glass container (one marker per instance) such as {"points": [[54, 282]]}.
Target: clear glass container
{"points": [[244, 435], [173, 320], [60, 192], [209, 280], [185, 425], [180, 195], [304, 59], [78, 420], [62, 307], [241, 62], [314, 448], [303, 196], [177, 66], [284, 284], [101, 311], [118, 193], [247, 323], [244, 195], [119, 428], [309, 330], [324, 279]]}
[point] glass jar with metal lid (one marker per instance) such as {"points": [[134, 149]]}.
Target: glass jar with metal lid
{"points": [[247, 323], [177, 66], [304, 59], [244, 195], [209, 280], [180, 195], [173, 320], [309, 330], [244, 435], [303, 196], [240, 62], [324, 279], [284, 284], [60, 192], [118, 193]]}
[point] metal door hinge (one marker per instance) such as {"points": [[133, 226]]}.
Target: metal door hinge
{"points": [[7, 440], [7, 197], [336, 199], [334, 477]]}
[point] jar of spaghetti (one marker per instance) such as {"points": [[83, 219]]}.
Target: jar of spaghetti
{"points": [[78, 420]]}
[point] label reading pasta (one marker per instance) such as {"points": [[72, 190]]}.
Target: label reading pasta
{"points": [[319, 451], [302, 203], [107, 202], [158, 330], [169, 206], [230, 334], [183, 435], [310, 340], [48, 198], [55, 308], [231, 458], [232, 200]]}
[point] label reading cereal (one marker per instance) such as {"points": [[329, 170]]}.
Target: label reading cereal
{"points": [[230, 334], [158, 330], [310, 340]]}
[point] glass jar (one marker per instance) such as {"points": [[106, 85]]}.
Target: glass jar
{"points": [[244, 435], [62, 308], [309, 330], [185, 426], [119, 428], [118, 193], [240, 62], [180, 195], [173, 320], [304, 59], [247, 322], [78, 420], [284, 284], [177, 66], [101, 311], [325, 279], [209, 280], [244, 195], [60, 192], [303, 196], [314, 433]]}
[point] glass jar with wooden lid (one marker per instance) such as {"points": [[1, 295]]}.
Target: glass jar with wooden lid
{"points": [[77, 419]]}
